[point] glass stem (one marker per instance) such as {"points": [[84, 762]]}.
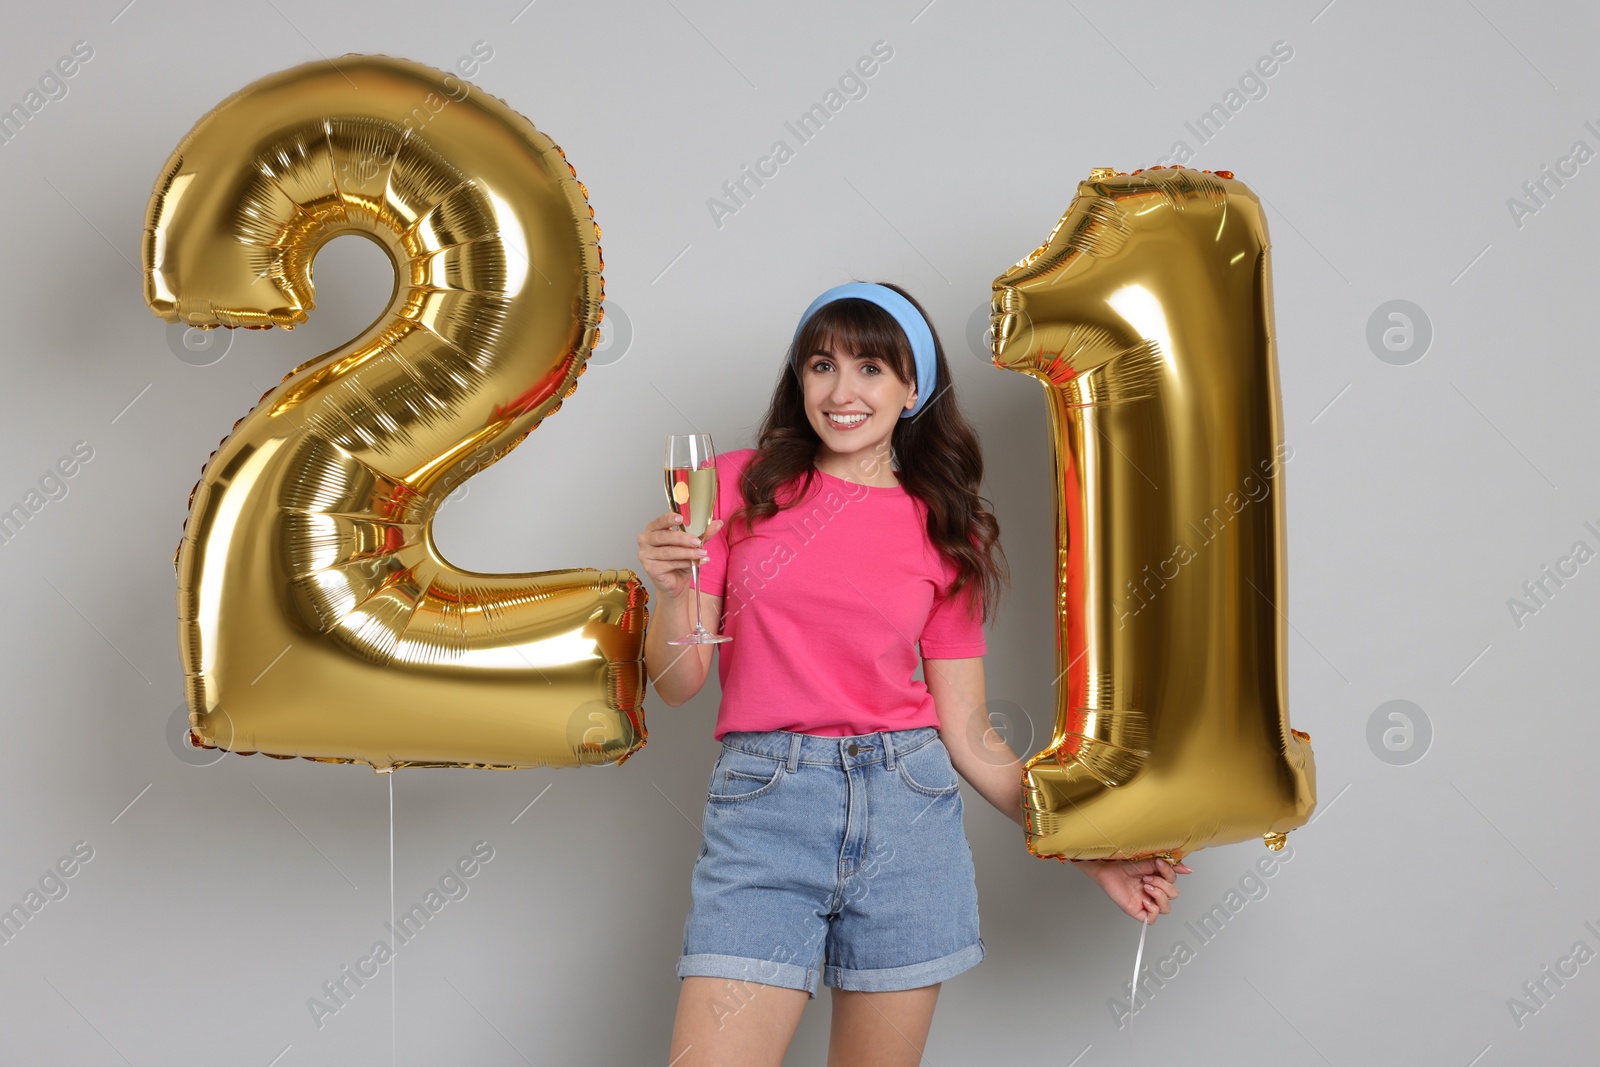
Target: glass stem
{"points": [[694, 572]]}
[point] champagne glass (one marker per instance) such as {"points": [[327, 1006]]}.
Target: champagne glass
{"points": [[692, 492]]}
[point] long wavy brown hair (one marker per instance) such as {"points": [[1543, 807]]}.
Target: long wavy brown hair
{"points": [[936, 450]]}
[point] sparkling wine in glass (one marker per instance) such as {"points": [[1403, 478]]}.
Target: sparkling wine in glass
{"points": [[691, 482]]}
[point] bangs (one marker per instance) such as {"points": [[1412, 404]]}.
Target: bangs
{"points": [[857, 327]]}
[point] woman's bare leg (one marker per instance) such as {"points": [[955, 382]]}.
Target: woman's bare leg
{"points": [[726, 1022], [881, 1029]]}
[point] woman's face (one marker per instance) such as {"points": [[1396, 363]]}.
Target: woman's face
{"points": [[853, 403]]}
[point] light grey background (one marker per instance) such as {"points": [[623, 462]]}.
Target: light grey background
{"points": [[1421, 497]]}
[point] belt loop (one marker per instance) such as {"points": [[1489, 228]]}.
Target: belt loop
{"points": [[888, 751], [794, 752]]}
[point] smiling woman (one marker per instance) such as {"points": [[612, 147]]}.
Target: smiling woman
{"points": [[821, 715], [855, 543], [859, 522], [854, 402]]}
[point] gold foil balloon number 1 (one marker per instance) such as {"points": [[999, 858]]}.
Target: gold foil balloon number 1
{"points": [[316, 616], [1147, 316]]}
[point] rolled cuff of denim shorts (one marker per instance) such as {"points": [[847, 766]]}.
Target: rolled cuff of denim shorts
{"points": [[744, 969], [911, 976]]}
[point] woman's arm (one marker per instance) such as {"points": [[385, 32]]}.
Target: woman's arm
{"points": [[1142, 888], [980, 755], [665, 551], [678, 671]]}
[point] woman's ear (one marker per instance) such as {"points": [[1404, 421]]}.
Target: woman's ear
{"points": [[911, 401]]}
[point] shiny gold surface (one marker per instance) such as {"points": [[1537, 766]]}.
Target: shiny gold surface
{"points": [[1147, 316], [316, 616]]}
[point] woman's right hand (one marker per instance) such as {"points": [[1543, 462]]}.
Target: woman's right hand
{"points": [[1142, 888], [666, 549]]}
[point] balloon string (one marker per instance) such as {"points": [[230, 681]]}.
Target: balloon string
{"points": [[393, 959], [1133, 989]]}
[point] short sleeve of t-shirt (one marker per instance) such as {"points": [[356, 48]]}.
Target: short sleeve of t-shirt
{"points": [[953, 629]]}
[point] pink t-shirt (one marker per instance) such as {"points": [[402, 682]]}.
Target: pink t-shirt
{"points": [[826, 605]]}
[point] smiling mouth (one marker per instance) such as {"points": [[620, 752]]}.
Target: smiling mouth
{"points": [[848, 423]]}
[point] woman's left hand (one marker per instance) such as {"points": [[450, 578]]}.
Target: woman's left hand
{"points": [[1142, 888]]}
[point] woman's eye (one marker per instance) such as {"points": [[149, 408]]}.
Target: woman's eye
{"points": [[873, 367]]}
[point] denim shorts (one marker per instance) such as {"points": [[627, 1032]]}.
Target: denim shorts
{"points": [[850, 848]]}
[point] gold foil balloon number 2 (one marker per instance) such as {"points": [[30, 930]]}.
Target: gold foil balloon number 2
{"points": [[1147, 316], [316, 617]]}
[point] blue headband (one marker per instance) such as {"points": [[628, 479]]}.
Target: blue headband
{"points": [[905, 313]]}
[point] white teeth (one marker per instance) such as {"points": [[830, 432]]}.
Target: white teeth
{"points": [[847, 420]]}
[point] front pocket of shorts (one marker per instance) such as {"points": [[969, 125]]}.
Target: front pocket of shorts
{"points": [[928, 770], [756, 780]]}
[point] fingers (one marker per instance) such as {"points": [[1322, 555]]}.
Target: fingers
{"points": [[657, 548], [667, 539], [1143, 896], [667, 551], [669, 525], [665, 521], [672, 518], [1168, 870], [673, 554], [1159, 893], [1166, 885]]}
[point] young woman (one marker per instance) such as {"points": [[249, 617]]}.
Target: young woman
{"points": [[834, 846]]}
